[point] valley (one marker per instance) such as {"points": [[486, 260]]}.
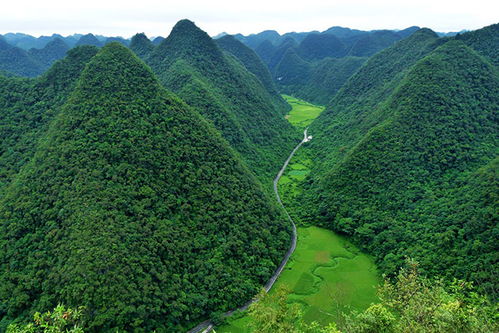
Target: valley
{"points": [[346, 179], [326, 274]]}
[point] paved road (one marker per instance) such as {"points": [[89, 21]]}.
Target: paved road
{"points": [[206, 326]]}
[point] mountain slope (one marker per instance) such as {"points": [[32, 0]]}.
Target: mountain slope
{"points": [[191, 64], [17, 61], [249, 59], [54, 50], [352, 111], [89, 39], [398, 186], [28, 106], [134, 207], [141, 45]]}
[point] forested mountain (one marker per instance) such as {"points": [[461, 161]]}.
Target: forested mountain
{"points": [[484, 41], [249, 59], [320, 46], [133, 206], [89, 39], [191, 64], [315, 65], [141, 45], [54, 50], [406, 158], [17, 61], [28, 105], [316, 82]]}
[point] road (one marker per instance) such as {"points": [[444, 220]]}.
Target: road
{"points": [[207, 326]]}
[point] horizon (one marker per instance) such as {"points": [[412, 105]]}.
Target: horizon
{"points": [[157, 18], [151, 37]]}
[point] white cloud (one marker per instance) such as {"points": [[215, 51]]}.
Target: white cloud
{"points": [[156, 17]]}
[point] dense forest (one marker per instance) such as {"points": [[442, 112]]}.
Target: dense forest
{"points": [[406, 157], [135, 175], [131, 205], [249, 116]]}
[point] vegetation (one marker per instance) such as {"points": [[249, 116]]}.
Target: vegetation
{"points": [[403, 142], [53, 51], [61, 320], [28, 107], [17, 61], [411, 303], [134, 207], [191, 64], [249, 59], [325, 278], [302, 113], [319, 81]]}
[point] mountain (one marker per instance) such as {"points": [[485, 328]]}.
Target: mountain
{"points": [[158, 40], [254, 40], [141, 45], [120, 40], [54, 50], [29, 105], [134, 207], [321, 80], [17, 61], [406, 159], [320, 46], [374, 42], [249, 59], [292, 70], [191, 64], [484, 41], [89, 39]]}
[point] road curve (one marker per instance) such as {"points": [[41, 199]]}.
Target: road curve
{"points": [[206, 326]]}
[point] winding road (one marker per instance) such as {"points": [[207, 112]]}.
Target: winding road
{"points": [[206, 326]]}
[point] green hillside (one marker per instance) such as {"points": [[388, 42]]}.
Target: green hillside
{"points": [[393, 173], [28, 105], [17, 61], [249, 59], [134, 207], [53, 51], [141, 45], [191, 64]]}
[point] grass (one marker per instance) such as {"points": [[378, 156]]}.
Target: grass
{"points": [[302, 113], [327, 277], [326, 274]]}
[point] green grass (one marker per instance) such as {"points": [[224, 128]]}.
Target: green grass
{"points": [[327, 276], [302, 113]]}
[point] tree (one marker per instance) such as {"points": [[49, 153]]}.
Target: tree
{"points": [[60, 320]]}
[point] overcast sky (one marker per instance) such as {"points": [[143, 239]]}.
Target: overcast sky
{"points": [[157, 17]]}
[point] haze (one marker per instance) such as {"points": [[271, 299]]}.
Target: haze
{"points": [[156, 17]]}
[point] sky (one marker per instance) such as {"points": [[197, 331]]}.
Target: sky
{"points": [[157, 17]]}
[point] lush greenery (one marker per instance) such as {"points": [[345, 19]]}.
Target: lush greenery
{"points": [[302, 113], [326, 277], [61, 320], [249, 59], [313, 65], [29, 105], [191, 64], [404, 160], [410, 303], [32, 62], [133, 206]]}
